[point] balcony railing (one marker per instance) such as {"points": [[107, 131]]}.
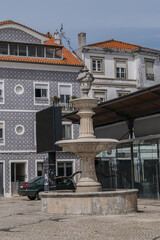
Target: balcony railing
{"points": [[66, 107]]}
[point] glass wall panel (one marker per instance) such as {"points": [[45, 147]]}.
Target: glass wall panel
{"points": [[113, 168], [146, 168]]}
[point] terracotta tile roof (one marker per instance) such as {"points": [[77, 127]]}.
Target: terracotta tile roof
{"points": [[68, 59], [51, 41], [115, 45]]}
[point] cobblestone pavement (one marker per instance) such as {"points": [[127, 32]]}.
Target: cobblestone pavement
{"points": [[22, 219]]}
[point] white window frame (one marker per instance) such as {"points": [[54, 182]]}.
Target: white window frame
{"points": [[4, 191], [2, 81], [23, 129], [97, 58], [63, 161], [26, 172], [151, 78], [19, 93], [126, 68], [69, 123], [3, 137], [64, 84], [48, 97], [36, 162], [99, 91]]}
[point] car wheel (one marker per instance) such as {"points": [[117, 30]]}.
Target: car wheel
{"points": [[32, 197]]}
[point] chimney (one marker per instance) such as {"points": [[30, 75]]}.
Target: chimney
{"points": [[56, 37], [81, 40]]}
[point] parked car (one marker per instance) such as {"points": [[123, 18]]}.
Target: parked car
{"points": [[32, 188]]}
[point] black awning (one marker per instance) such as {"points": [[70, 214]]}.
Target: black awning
{"points": [[132, 106]]}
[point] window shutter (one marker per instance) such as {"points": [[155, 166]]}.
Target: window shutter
{"points": [[120, 64], [149, 67], [41, 86], [65, 90]]}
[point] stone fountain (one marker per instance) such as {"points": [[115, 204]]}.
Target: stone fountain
{"points": [[89, 197]]}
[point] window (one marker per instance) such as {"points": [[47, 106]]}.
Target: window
{"points": [[1, 89], [122, 93], [149, 69], [19, 89], [40, 51], [31, 51], [19, 129], [65, 168], [39, 169], [65, 93], [66, 131], [58, 53], [4, 48], [97, 65], [41, 93], [121, 69], [13, 49], [22, 50], [100, 95], [1, 133], [50, 52], [1, 92]]}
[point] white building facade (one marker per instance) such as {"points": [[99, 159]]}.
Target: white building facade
{"points": [[119, 68]]}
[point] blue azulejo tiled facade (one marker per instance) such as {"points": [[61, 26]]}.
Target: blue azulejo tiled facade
{"points": [[27, 86]]}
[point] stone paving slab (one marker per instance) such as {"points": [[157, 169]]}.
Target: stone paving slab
{"points": [[21, 218]]}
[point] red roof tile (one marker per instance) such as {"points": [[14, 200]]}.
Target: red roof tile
{"points": [[115, 45], [68, 57]]}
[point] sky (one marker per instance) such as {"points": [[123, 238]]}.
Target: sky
{"points": [[136, 22]]}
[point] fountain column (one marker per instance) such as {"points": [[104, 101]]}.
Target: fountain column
{"points": [[86, 146]]}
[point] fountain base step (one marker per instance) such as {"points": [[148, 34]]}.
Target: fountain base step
{"points": [[90, 203]]}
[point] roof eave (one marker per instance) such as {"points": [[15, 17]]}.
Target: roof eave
{"points": [[100, 49]]}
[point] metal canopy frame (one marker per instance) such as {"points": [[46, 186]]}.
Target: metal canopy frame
{"points": [[139, 104]]}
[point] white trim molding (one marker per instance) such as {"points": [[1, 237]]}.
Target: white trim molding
{"points": [[22, 128], [3, 161], [26, 172], [20, 86], [65, 160], [2, 81], [48, 93], [3, 137], [37, 161]]}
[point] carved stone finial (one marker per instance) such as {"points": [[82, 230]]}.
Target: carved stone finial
{"points": [[85, 78]]}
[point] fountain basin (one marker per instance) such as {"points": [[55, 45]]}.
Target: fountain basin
{"points": [[90, 203], [87, 145], [86, 149]]}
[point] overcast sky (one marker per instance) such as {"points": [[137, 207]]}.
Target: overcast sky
{"points": [[133, 21]]}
